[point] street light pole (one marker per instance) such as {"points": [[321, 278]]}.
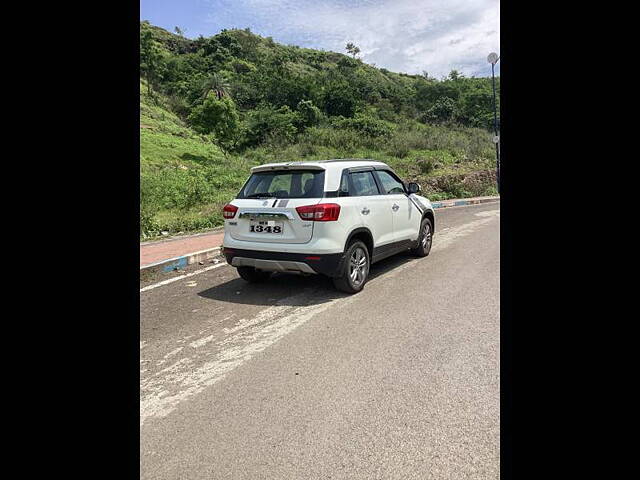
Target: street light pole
{"points": [[493, 59]]}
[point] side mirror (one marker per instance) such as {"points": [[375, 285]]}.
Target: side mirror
{"points": [[413, 188]]}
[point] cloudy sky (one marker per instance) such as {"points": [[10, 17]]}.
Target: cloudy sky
{"points": [[409, 36]]}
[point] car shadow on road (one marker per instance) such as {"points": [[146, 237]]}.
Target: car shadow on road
{"points": [[286, 289]]}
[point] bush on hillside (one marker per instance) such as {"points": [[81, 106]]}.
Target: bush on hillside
{"points": [[217, 116], [443, 110], [343, 140], [308, 114], [365, 124], [476, 108], [270, 123], [240, 66], [338, 99]]}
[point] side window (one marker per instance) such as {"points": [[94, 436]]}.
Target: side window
{"points": [[363, 184], [389, 184], [307, 182], [344, 184]]}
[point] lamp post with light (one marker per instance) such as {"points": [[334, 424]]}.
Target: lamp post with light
{"points": [[493, 59]]}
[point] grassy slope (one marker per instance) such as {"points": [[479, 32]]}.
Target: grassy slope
{"points": [[175, 162]]}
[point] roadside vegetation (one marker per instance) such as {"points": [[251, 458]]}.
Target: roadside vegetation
{"points": [[211, 108]]}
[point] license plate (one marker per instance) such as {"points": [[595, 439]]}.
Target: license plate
{"points": [[272, 227]]}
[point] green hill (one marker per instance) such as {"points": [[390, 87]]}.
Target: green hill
{"points": [[200, 133]]}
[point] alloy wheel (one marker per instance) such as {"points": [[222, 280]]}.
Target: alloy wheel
{"points": [[426, 236], [358, 267]]}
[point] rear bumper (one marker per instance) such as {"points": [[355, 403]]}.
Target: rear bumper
{"points": [[327, 264], [325, 241]]}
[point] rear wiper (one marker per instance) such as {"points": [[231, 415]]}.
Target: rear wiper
{"points": [[261, 195]]}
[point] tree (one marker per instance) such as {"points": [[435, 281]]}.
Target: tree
{"points": [[220, 117], [179, 31], [455, 75], [352, 49], [215, 83], [151, 57]]}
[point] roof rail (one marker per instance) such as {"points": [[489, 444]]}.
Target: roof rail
{"points": [[347, 160]]}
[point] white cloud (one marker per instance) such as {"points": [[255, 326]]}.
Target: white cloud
{"points": [[401, 35]]}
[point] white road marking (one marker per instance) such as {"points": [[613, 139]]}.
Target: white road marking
{"points": [[201, 342], [181, 277], [161, 392], [168, 355], [488, 213]]}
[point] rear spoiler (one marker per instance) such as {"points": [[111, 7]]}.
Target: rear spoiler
{"points": [[285, 166]]}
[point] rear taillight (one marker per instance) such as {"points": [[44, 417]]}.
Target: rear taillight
{"points": [[322, 212], [229, 211]]}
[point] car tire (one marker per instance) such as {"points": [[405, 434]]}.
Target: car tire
{"points": [[355, 269], [252, 275], [425, 239]]}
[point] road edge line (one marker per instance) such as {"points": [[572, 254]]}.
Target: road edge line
{"points": [[181, 277]]}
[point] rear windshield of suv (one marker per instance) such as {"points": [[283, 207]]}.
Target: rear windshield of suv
{"points": [[284, 184]]}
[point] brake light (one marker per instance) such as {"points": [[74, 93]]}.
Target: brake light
{"points": [[323, 212], [229, 211]]}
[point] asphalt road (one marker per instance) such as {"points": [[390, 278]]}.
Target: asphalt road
{"points": [[294, 380]]}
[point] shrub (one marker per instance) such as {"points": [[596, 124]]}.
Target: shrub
{"points": [[308, 114], [339, 99], [344, 140], [241, 66], [425, 165], [148, 226], [365, 124], [178, 105], [398, 148], [270, 123], [444, 110]]}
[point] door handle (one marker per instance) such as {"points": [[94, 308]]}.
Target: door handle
{"points": [[365, 211], [395, 207]]}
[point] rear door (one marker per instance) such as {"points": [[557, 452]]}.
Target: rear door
{"points": [[267, 206]]}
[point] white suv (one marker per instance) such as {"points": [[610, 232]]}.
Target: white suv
{"points": [[332, 217]]}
